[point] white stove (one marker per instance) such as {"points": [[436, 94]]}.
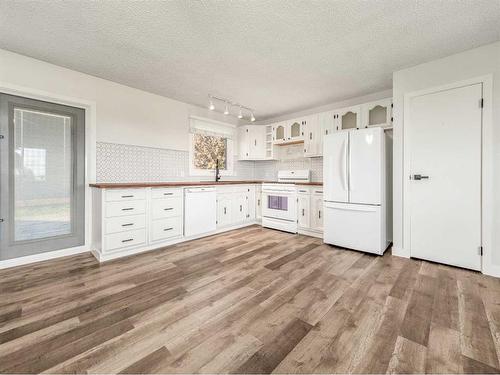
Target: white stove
{"points": [[279, 209]]}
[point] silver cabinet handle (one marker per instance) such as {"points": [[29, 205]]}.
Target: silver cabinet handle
{"points": [[420, 177], [127, 225], [168, 193], [167, 229], [303, 212], [127, 196], [319, 214], [128, 209], [130, 239], [168, 209]]}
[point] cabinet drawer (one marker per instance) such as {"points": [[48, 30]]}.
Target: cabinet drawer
{"points": [[117, 195], [124, 223], [170, 207], [125, 239], [160, 193], [166, 228], [125, 208]]}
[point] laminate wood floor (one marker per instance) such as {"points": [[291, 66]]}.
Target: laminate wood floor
{"points": [[248, 301]]}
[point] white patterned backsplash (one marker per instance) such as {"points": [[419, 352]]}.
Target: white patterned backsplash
{"points": [[128, 163]]}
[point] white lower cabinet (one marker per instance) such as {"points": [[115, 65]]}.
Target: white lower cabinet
{"points": [[310, 210], [235, 205], [129, 221]]}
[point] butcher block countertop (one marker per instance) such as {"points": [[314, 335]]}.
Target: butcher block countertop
{"points": [[122, 185]]}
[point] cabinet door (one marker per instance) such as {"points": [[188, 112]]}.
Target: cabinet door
{"points": [[349, 118], [224, 210], [327, 124], [378, 113], [295, 130], [317, 212], [243, 143], [239, 208], [312, 137], [258, 204], [250, 204], [303, 204], [279, 132], [258, 142]]}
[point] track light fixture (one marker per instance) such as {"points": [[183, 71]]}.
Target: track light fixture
{"points": [[227, 107]]}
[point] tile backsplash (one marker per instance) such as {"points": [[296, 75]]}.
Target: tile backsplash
{"points": [[128, 163]]}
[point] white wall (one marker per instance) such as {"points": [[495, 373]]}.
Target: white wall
{"points": [[124, 115], [466, 65]]}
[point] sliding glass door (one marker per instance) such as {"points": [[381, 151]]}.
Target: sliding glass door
{"points": [[42, 171]]}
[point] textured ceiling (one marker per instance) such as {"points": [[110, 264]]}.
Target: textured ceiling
{"points": [[275, 56]]}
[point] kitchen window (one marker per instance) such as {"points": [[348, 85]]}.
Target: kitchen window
{"points": [[210, 142]]}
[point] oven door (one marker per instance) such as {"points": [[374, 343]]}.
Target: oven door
{"points": [[279, 205]]}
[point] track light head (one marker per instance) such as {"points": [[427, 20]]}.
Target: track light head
{"points": [[240, 114], [252, 118], [226, 110]]}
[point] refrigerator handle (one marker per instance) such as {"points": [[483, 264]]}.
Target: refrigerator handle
{"points": [[348, 161], [343, 166]]}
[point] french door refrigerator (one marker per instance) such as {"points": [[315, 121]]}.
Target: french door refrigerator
{"points": [[354, 167]]}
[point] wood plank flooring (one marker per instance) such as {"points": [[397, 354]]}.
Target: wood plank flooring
{"points": [[252, 300]]}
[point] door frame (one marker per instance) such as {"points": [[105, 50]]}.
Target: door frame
{"points": [[487, 266], [90, 165]]}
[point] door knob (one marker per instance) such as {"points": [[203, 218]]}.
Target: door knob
{"points": [[420, 177]]}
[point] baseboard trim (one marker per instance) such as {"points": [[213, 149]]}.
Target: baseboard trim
{"points": [[21, 261], [310, 233]]}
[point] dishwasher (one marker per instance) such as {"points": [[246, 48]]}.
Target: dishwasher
{"points": [[200, 211]]}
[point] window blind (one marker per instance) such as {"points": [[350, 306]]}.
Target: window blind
{"points": [[207, 127]]}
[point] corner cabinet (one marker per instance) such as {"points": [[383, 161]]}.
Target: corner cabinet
{"points": [[310, 210]]}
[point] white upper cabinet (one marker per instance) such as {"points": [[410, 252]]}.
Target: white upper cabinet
{"points": [[349, 118], [289, 131], [377, 113], [327, 122], [280, 134], [252, 142], [313, 136]]}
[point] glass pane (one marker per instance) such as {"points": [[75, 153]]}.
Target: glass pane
{"points": [[207, 150], [349, 120], [377, 115], [280, 132], [295, 130], [42, 175], [276, 202]]}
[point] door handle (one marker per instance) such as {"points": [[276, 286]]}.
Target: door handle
{"points": [[420, 177]]}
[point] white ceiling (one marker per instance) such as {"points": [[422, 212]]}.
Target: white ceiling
{"points": [[275, 56]]}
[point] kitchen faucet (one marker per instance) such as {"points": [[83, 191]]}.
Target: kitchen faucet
{"points": [[217, 173]]}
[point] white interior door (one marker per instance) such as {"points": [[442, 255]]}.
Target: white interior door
{"points": [[366, 166], [445, 187], [335, 148]]}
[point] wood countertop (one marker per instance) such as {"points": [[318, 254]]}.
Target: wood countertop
{"points": [[123, 185]]}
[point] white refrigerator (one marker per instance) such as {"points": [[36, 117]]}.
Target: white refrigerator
{"points": [[354, 176]]}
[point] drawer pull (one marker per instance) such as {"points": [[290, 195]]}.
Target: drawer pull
{"points": [[166, 229], [127, 196], [168, 209], [128, 209], [130, 239], [127, 225], [303, 212], [168, 193]]}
